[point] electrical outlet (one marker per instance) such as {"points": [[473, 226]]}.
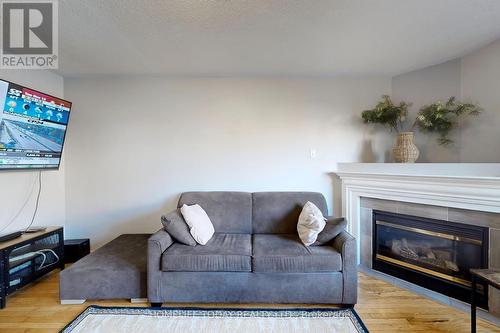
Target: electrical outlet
{"points": [[313, 153]]}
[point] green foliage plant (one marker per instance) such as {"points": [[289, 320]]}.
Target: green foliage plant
{"points": [[441, 117], [388, 114], [437, 117]]}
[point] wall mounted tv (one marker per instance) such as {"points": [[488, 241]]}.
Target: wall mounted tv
{"points": [[32, 128]]}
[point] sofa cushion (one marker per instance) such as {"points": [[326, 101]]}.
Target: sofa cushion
{"points": [[222, 253], [200, 226], [230, 212], [311, 223], [334, 226], [174, 224], [284, 253], [278, 212]]}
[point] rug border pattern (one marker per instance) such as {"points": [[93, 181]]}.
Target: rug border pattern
{"points": [[220, 312]]}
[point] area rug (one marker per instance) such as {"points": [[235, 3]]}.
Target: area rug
{"points": [[97, 319]]}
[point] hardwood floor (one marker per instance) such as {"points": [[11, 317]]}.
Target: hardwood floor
{"points": [[382, 306]]}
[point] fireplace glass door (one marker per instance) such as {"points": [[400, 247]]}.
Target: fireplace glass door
{"points": [[429, 251]]}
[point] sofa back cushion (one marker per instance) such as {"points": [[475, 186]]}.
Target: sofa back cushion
{"points": [[230, 212], [278, 212]]}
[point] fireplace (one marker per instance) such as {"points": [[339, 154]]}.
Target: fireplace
{"points": [[431, 253]]}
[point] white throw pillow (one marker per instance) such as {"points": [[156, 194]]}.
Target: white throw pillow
{"points": [[311, 223], [201, 228]]}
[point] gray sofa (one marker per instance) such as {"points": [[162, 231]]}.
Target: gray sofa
{"points": [[254, 257]]}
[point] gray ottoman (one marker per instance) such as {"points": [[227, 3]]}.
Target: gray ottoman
{"points": [[115, 271]]}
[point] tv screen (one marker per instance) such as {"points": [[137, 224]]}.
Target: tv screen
{"points": [[32, 128]]}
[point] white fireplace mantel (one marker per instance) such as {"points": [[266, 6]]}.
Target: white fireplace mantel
{"points": [[472, 186]]}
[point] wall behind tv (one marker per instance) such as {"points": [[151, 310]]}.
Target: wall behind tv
{"points": [[136, 143], [16, 186]]}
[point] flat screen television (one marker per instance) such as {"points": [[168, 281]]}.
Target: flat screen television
{"points": [[32, 128]]}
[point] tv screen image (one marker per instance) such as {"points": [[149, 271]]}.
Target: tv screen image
{"points": [[32, 128]]}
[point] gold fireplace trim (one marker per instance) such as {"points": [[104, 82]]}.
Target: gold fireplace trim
{"points": [[431, 233], [423, 270]]}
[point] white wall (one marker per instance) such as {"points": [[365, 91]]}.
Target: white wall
{"points": [[473, 78], [481, 83], [16, 187], [136, 143], [425, 86]]}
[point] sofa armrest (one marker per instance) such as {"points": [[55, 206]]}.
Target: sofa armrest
{"points": [[342, 243], [345, 244], [160, 240], [157, 244]]}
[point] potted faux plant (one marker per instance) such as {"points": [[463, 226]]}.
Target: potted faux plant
{"points": [[437, 117], [441, 117], [394, 117]]}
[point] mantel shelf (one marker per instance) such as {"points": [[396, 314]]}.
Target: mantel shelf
{"points": [[471, 186], [487, 171]]}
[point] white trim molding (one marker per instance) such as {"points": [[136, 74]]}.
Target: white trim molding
{"points": [[467, 186]]}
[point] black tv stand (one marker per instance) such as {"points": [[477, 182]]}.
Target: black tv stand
{"points": [[26, 258]]}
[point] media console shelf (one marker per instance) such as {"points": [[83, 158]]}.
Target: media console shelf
{"points": [[26, 258]]}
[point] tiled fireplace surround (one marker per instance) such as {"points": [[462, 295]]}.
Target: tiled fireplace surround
{"points": [[483, 219], [467, 194]]}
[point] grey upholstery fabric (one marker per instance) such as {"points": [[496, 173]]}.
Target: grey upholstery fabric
{"points": [[234, 287], [116, 270], [284, 253], [278, 212], [333, 227], [230, 212], [222, 253], [158, 243], [271, 213], [345, 243], [175, 225]]}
